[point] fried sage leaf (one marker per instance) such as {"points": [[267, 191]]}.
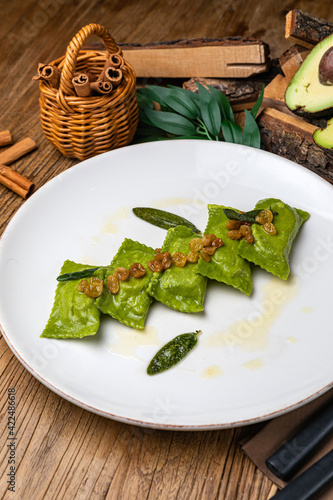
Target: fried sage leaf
{"points": [[173, 352], [85, 273], [244, 217], [160, 218]]}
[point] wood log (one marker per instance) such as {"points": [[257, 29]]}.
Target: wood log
{"points": [[230, 57], [292, 59], [274, 94], [241, 93], [291, 137], [305, 29]]}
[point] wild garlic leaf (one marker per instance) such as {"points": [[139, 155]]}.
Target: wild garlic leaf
{"points": [[256, 107], [232, 132], [251, 134], [224, 104], [171, 122], [179, 101], [210, 111]]}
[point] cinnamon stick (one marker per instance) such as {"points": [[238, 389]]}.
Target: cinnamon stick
{"points": [[101, 88], [81, 85], [15, 182], [305, 29], [5, 138], [16, 151], [48, 73], [113, 76]]}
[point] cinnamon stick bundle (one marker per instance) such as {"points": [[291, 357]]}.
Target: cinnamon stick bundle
{"points": [[5, 138], [112, 61], [15, 152], [15, 181]]}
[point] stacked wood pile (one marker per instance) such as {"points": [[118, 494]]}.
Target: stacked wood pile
{"points": [[283, 132]]}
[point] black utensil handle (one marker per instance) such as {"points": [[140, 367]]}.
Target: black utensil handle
{"points": [[311, 482], [288, 459]]}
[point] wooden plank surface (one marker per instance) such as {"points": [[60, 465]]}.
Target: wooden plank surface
{"points": [[63, 451]]}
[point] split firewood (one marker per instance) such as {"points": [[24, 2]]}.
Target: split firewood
{"points": [[291, 137], [274, 94], [230, 57], [305, 29], [292, 59]]}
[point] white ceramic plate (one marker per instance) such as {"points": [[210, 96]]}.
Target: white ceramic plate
{"points": [[256, 358]]}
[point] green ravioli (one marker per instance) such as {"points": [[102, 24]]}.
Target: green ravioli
{"points": [[272, 252], [180, 288], [225, 265], [130, 305], [73, 315]]}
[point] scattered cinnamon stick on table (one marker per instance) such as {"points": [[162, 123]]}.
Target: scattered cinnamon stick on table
{"points": [[5, 138], [16, 151], [15, 181]]}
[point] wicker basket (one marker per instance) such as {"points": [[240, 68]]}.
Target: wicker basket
{"points": [[81, 127]]}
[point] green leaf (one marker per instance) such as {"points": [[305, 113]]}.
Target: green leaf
{"points": [[143, 100], [255, 109], [224, 104], [245, 217], [160, 218], [173, 352], [170, 122], [86, 273], [210, 110], [251, 134], [179, 101], [232, 132], [157, 93]]}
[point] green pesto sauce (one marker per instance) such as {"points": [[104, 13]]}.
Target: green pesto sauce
{"points": [[131, 304], [225, 265], [272, 252], [180, 288], [73, 315]]}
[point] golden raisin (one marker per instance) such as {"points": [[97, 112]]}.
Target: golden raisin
{"points": [[244, 229], [83, 285], [207, 239], [205, 256], [112, 284], [209, 250], [264, 216], [249, 238], [137, 270], [158, 250], [235, 234], [155, 265], [217, 243], [166, 261], [121, 273], [269, 228], [193, 257], [233, 224], [162, 255], [196, 244], [179, 259], [94, 288]]}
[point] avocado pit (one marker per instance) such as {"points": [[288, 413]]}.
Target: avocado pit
{"points": [[325, 68]]}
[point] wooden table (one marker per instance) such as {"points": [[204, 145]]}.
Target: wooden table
{"points": [[62, 450]]}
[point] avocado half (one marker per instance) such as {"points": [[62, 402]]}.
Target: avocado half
{"points": [[306, 95]]}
